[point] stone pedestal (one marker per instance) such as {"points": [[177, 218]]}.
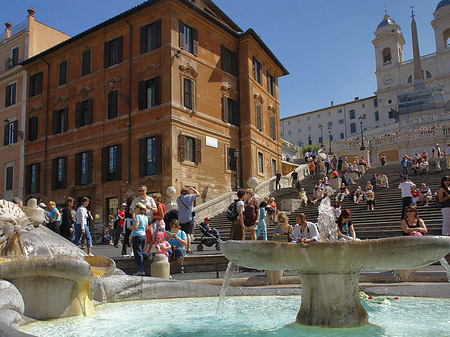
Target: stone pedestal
{"points": [[274, 276], [353, 175], [362, 169], [335, 183], [319, 290], [160, 266], [290, 205]]}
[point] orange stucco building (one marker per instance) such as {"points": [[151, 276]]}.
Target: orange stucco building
{"points": [[164, 94], [18, 43]]}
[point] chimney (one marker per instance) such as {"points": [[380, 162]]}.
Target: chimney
{"points": [[8, 26], [332, 103], [356, 98]]}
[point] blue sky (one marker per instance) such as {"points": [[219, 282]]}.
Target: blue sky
{"points": [[325, 45]]}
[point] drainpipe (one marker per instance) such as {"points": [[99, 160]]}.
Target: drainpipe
{"points": [[46, 125], [240, 121], [129, 104]]}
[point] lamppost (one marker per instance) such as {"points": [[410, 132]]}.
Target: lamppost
{"points": [[329, 139], [321, 135], [309, 140], [361, 118], [236, 157]]}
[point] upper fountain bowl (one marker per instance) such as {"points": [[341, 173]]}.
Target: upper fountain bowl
{"points": [[339, 256]]}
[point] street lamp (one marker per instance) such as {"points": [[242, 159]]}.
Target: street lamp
{"points": [[309, 140], [329, 139], [321, 135], [236, 157], [361, 118]]}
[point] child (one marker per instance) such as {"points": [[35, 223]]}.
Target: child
{"points": [[261, 222], [161, 245], [139, 227], [370, 197]]}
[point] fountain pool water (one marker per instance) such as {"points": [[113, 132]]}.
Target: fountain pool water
{"points": [[244, 316]]}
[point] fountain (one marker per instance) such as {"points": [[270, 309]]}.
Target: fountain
{"points": [[329, 271]]}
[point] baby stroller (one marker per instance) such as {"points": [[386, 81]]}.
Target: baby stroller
{"points": [[208, 238]]}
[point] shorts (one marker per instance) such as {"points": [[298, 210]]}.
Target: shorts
{"points": [[252, 227], [187, 227]]}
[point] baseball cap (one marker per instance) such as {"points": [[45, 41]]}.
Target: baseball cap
{"points": [[42, 205], [207, 218]]}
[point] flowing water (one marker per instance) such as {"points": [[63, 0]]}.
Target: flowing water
{"points": [[445, 264], [231, 269], [326, 222], [246, 316]]}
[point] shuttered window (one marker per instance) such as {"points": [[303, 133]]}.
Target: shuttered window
{"points": [[59, 173], [259, 117], [231, 159], [36, 84], [273, 133], [113, 102], [229, 61], [150, 156], [257, 70], [188, 38], [86, 63], [149, 93], [15, 57], [188, 93], [83, 113], [10, 134], [59, 121], [271, 84], [189, 149], [10, 94], [83, 168], [113, 52], [32, 178], [9, 178], [33, 128], [150, 37], [112, 163], [230, 111], [62, 73]]}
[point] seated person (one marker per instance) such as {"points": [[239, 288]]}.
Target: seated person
{"points": [[423, 166], [354, 168], [358, 196], [362, 162], [283, 228], [305, 231], [373, 181], [211, 231], [383, 181], [343, 192], [415, 193], [319, 195], [177, 240], [425, 194], [412, 224], [345, 228], [370, 198], [415, 167], [302, 196], [347, 181], [336, 209], [345, 167], [334, 174]]}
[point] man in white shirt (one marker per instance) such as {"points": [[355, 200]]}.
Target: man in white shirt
{"points": [[146, 200], [447, 155], [305, 231], [406, 187], [436, 154]]}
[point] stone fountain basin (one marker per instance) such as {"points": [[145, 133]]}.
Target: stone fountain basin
{"points": [[339, 256]]}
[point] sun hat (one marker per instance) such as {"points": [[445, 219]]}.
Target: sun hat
{"points": [[42, 205], [140, 205], [160, 235]]}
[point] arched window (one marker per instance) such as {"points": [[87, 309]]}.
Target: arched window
{"points": [[447, 37], [387, 56]]}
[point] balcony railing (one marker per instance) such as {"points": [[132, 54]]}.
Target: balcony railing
{"points": [[14, 30]]}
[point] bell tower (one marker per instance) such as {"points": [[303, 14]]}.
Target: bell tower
{"points": [[441, 26]]}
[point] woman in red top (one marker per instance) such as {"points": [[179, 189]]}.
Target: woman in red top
{"points": [[118, 224], [157, 224]]}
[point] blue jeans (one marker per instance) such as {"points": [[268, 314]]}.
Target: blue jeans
{"points": [[179, 252], [262, 227], [405, 170], [77, 235], [138, 243]]}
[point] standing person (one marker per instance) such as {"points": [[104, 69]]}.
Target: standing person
{"points": [[327, 164], [436, 154], [157, 224], [81, 226], [305, 231], [55, 217], [46, 220], [339, 166], [405, 162], [262, 222], [186, 213], [444, 200], [251, 214], [139, 227], [345, 229], [118, 224], [17, 201], [146, 200], [447, 155], [383, 159], [237, 226], [127, 226], [294, 177], [334, 161], [66, 229], [406, 187], [277, 181]]}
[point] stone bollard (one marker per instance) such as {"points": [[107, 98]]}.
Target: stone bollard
{"points": [[274, 276], [160, 266]]}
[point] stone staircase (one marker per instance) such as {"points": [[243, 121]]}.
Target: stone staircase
{"points": [[384, 221]]}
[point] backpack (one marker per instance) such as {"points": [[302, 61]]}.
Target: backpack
{"points": [[232, 211]]}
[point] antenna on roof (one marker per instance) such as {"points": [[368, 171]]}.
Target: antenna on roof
{"points": [[385, 10]]}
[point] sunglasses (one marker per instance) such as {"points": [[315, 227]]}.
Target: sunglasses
{"points": [[141, 190]]}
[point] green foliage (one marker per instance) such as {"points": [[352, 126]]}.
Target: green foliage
{"points": [[310, 148]]}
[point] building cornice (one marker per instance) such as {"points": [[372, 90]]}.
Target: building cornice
{"points": [[17, 70]]}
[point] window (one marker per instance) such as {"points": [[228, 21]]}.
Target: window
{"points": [[59, 173], [113, 100], [83, 168], [309, 117], [150, 156], [229, 61], [59, 121], [353, 128], [318, 116], [289, 122], [341, 121], [260, 163], [331, 137], [339, 111], [309, 128], [329, 113], [289, 132], [299, 130], [230, 111], [320, 140], [342, 135], [32, 128], [270, 84], [257, 71], [387, 56], [188, 90], [231, 159], [273, 133], [113, 51], [392, 114], [10, 135], [86, 63], [352, 114], [274, 167], [32, 175], [14, 57], [189, 149], [36, 84], [83, 115], [188, 38], [111, 163], [330, 123], [300, 144], [259, 118], [9, 177], [363, 105], [149, 93], [62, 73], [150, 37], [377, 116], [10, 94], [375, 102]]}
